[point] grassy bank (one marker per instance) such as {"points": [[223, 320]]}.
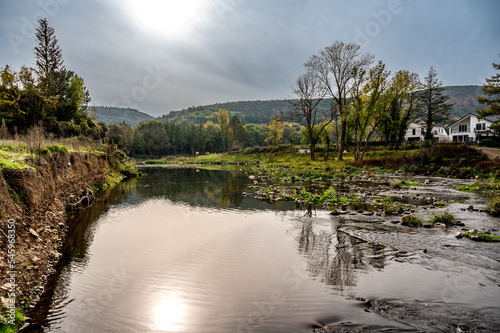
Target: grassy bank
{"points": [[444, 161]]}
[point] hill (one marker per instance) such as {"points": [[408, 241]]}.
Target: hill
{"points": [[464, 99], [115, 115]]}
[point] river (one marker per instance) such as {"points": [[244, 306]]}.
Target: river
{"points": [[186, 250]]}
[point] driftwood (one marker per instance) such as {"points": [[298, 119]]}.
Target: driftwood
{"points": [[85, 200]]}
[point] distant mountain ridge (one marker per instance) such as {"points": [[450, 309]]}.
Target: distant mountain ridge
{"points": [[464, 99], [116, 115]]}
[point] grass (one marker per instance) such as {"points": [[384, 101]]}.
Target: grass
{"points": [[491, 184], [412, 220], [474, 235], [443, 217], [493, 206], [403, 184], [19, 319], [112, 177]]}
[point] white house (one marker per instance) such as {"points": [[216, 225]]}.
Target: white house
{"points": [[472, 128], [416, 132]]}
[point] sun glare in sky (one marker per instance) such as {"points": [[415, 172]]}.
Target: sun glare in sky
{"points": [[170, 18]]}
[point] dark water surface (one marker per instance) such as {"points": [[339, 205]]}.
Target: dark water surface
{"points": [[182, 250]]}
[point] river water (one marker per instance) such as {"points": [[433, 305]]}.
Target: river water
{"points": [[185, 250]]}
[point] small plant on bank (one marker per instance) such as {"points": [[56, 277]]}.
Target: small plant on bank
{"points": [[493, 206], [412, 220], [6, 327], [474, 235], [444, 217], [330, 193]]}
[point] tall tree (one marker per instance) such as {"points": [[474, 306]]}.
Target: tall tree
{"points": [[368, 107], [403, 94], [223, 120], [434, 104], [275, 134], [336, 66], [491, 90], [310, 92], [236, 133], [49, 60]]}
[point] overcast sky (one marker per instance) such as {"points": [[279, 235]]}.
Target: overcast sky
{"points": [[164, 55]]}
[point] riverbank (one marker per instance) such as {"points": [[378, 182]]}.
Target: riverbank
{"points": [[34, 200]]}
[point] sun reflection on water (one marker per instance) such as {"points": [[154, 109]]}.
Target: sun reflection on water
{"points": [[169, 314]]}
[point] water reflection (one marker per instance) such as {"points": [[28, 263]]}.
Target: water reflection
{"points": [[335, 257], [169, 313]]}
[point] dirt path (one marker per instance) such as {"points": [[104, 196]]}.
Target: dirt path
{"points": [[491, 152]]}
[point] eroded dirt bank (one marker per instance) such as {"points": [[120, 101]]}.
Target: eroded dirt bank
{"points": [[33, 208]]}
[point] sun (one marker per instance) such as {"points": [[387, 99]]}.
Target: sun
{"points": [[166, 17]]}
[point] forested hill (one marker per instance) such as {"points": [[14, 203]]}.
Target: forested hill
{"points": [[464, 99], [256, 112], [115, 115]]}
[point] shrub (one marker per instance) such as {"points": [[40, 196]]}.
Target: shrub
{"points": [[490, 142], [412, 220], [494, 206], [55, 148], [444, 217]]}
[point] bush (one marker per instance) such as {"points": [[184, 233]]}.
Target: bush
{"points": [[490, 142], [494, 206], [55, 148], [412, 220], [444, 217]]}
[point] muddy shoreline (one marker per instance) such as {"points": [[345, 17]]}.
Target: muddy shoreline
{"points": [[34, 204]]}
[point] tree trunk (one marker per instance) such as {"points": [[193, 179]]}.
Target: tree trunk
{"points": [[342, 140]]}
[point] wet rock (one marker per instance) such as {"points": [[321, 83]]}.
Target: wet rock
{"points": [[334, 212], [470, 207], [427, 225], [367, 303], [459, 235], [405, 220], [440, 225], [424, 250], [368, 213], [460, 224], [342, 212]]}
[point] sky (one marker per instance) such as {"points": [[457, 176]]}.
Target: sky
{"points": [[159, 56]]}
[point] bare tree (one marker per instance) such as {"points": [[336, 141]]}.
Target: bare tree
{"points": [[336, 67], [310, 92]]}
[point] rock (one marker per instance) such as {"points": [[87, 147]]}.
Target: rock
{"points": [[34, 233], [440, 225], [5, 287], [368, 213], [427, 225], [334, 212], [405, 220], [395, 222], [367, 303], [460, 224], [5, 302], [459, 235], [470, 207], [343, 212], [424, 250]]}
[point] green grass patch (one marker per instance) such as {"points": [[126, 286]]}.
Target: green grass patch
{"points": [[443, 217], [6, 327], [493, 206], [412, 220], [474, 235]]}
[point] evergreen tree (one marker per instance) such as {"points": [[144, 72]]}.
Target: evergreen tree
{"points": [[433, 102], [49, 60], [491, 89]]}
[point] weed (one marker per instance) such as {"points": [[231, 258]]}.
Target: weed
{"points": [[444, 217], [494, 206]]}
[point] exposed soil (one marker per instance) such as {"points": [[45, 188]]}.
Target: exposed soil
{"points": [[37, 202]]}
